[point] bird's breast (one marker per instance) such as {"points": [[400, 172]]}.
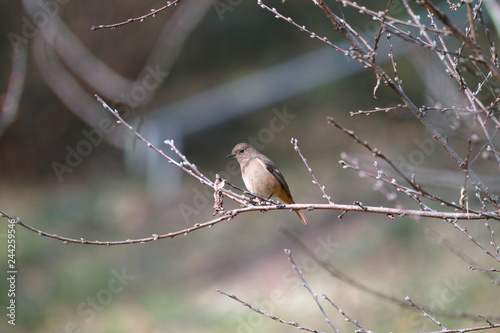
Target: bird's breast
{"points": [[258, 180]]}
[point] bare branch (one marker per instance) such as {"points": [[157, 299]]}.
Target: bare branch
{"points": [[425, 314], [355, 322], [314, 295], [339, 274], [153, 237], [473, 240], [315, 181], [416, 187], [474, 47], [140, 18], [380, 73], [377, 109], [267, 314]]}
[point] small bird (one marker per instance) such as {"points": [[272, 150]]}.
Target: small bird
{"points": [[261, 176]]}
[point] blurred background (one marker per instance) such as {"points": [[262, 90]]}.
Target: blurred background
{"points": [[211, 74]]}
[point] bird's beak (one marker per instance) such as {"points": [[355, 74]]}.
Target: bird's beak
{"points": [[230, 155]]}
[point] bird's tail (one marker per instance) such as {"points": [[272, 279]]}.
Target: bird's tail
{"points": [[302, 217]]}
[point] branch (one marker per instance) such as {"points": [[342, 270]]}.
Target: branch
{"points": [[425, 314], [340, 26], [339, 274], [153, 237], [140, 18], [295, 143], [361, 51], [441, 239], [267, 314], [357, 207], [314, 295], [416, 187], [446, 330], [474, 47], [355, 322], [264, 205], [472, 329]]}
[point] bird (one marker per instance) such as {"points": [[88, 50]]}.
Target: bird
{"points": [[261, 176]]}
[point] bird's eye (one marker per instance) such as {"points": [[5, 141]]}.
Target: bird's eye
{"points": [[242, 151]]}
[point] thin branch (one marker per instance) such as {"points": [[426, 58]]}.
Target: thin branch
{"points": [[262, 208], [363, 56], [425, 314], [267, 205], [389, 20], [377, 109], [267, 314], [393, 62], [472, 26], [339, 274], [482, 269], [474, 47], [473, 240], [185, 165], [302, 27], [380, 73], [355, 322], [314, 295], [381, 29], [464, 330], [140, 18], [400, 188], [416, 187], [441, 239], [315, 181], [493, 242], [153, 237]]}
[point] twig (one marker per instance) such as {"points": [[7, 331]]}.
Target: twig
{"points": [[267, 314], [193, 171], [416, 187], [472, 26], [359, 53], [464, 330], [232, 213], [315, 181], [389, 20], [140, 18], [482, 269], [473, 240], [441, 239], [339, 274], [153, 237], [425, 313], [393, 62], [302, 28], [185, 165], [380, 73], [452, 66], [355, 322], [493, 242], [377, 109], [314, 295], [463, 38], [381, 29]]}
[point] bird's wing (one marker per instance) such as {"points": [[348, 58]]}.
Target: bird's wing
{"points": [[271, 167]]}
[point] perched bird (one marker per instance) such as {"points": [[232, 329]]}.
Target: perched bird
{"points": [[261, 176]]}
